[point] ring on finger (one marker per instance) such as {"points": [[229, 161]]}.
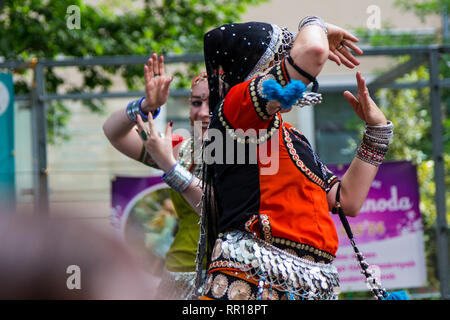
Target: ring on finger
{"points": [[144, 135], [341, 45]]}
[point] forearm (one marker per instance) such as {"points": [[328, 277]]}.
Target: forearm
{"points": [[193, 194], [120, 132], [358, 178], [355, 186], [117, 125], [183, 182], [309, 52]]}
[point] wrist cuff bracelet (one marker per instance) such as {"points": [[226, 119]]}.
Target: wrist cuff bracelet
{"points": [[178, 178], [375, 143], [135, 107], [132, 110]]}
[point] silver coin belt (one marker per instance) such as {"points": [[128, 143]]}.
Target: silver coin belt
{"points": [[269, 265], [177, 286]]}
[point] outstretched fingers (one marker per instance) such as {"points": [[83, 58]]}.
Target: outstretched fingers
{"points": [[346, 57], [352, 46], [149, 68], [333, 57], [168, 132], [161, 70], [363, 92], [349, 36], [152, 126], [155, 64], [142, 129], [354, 103], [346, 52]]}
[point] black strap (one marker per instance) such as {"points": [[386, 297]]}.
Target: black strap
{"points": [[315, 87], [380, 294], [338, 209]]}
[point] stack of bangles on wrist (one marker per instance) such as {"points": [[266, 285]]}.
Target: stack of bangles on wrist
{"points": [[178, 178], [375, 143], [135, 107]]}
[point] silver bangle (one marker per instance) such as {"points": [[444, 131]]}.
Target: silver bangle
{"points": [[380, 134], [375, 143], [133, 110], [309, 20], [383, 128], [178, 178]]}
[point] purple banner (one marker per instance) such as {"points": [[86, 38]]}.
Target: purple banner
{"points": [[126, 191], [388, 231], [391, 207]]}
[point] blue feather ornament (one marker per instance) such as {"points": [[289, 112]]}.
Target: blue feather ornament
{"points": [[286, 96], [397, 295]]}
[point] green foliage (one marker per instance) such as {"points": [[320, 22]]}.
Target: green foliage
{"points": [[424, 8], [409, 110], [38, 28]]}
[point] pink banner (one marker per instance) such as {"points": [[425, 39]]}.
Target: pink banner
{"points": [[388, 231]]}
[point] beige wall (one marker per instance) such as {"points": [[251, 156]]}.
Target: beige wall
{"points": [[349, 14], [345, 13]]}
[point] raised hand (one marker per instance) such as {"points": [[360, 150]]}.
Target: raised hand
{"points": [[159, 146], [156, 84], [340, 41], [364, 106]]}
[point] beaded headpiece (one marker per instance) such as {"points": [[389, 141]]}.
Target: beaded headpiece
{"points": [[199, 78], [237, 52]]}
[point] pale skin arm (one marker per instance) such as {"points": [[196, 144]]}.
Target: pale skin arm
{"points": [[124, 136], [312, 48], [160, 147]]}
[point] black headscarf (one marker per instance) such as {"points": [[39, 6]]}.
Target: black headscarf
{"points": [[237, 52], [233, 53]]}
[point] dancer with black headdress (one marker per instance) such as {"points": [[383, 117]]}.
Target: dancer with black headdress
{"points": [[270, 231]]}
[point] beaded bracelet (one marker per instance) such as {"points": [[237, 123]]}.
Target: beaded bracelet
{"points": [[178, 178], [375, 144], [135, 107], [370, 155]]}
